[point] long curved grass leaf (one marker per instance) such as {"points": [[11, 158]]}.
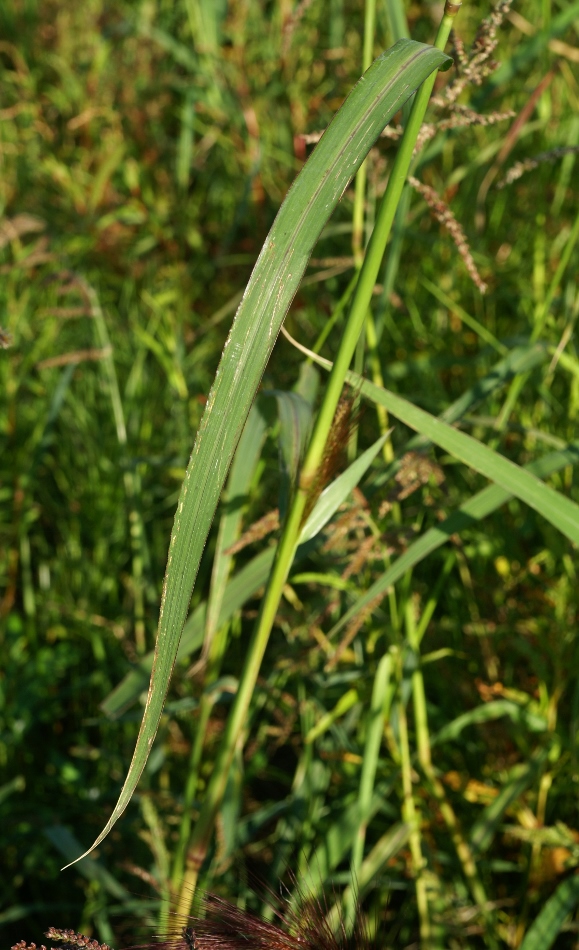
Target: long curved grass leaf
{"points": [[556, 508], [475, 509], [488, 712], [520, 482], [483, 831], [377, 96], [547, 926]]}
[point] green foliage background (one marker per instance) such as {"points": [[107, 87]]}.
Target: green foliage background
{"points": [[147, 164]]}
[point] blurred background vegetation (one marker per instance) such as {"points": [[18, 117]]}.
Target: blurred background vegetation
{"points": [[145, 148]]}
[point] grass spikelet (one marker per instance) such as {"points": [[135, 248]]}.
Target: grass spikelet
{"points": [[345, 419], [528, 164], [444, 216]]}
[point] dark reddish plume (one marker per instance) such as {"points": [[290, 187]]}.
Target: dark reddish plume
{"points": [[224, 926]]}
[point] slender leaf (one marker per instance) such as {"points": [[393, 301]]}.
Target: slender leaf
{"points": [[476, 508], [484, 829], [383, 89], [295, 423], [556, 508], [547, 927], [337, 492], [488, 712]]}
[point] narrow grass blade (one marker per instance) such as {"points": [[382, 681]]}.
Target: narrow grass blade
{"points": [[337, 492], [484, 829], [547, 927], [478, 507], [383, 851], [63, 839], [488, 712], [383, 89], [295, 423], [556, 508]]}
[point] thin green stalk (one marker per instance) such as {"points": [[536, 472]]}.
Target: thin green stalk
{"points": [[288, 542], [359, 355], [216, 652], [540, 321], [412, 818], [378, 380], [136, 529], [462, 848], [372, 262], [379, 712], [359, 209], [336, 314]]}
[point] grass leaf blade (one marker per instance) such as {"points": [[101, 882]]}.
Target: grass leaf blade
{"points": [[378, 95]]}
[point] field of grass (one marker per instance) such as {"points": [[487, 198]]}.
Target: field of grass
{"points": [[414, 720]]}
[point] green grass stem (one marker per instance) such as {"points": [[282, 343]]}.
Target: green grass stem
{"points": [[291, 529]]}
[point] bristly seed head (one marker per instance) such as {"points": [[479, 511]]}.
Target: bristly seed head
{"points": [[345, 419], [224, 926], [62, 939]]}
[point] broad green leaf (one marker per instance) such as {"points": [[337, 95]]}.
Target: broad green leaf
{"points": [[546, 928], [338, 490], [378, 95]]}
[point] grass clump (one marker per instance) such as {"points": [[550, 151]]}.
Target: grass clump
{"points": [[413, 719]]}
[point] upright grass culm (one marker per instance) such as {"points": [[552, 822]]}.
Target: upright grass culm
{"points": [[389, 83], [291, 529]]}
